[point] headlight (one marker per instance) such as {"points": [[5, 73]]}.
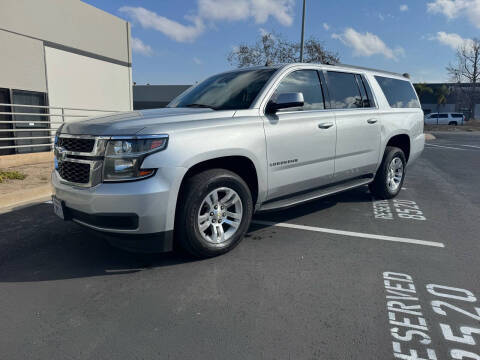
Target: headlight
{"points": [[124, 156]]}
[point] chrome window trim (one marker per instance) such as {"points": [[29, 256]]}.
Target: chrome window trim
{"points": [[365, 77], [264, 97]]}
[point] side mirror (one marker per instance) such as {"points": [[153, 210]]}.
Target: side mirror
{"points": [[285, 101]]}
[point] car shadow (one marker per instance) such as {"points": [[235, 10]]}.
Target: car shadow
{"points": [[37, 246], [358, 195]]}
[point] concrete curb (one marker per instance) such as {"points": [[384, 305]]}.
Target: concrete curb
{"points": [[24, 197], [7, 161], [429, 137]]}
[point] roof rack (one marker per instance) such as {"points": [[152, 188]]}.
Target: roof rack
{"points": [[371, 69]]}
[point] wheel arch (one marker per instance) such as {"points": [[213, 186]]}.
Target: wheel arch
{"points": [[241, 165], [402, 141]]}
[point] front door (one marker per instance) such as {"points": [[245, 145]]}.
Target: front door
{"points": [[300, 141]]}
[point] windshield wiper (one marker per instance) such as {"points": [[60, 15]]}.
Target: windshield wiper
{"points": [[195, 105]]}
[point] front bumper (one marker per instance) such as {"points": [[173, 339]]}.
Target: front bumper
{"points": [[146, 206]]}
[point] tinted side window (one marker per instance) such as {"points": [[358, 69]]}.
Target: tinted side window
{"points": [[344, 91], [457, 115], [306, 82], [443, 116], [399, 93]]}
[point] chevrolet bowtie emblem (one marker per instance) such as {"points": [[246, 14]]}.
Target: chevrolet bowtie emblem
{"points": [[61, 154]]}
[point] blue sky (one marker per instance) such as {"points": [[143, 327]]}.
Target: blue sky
{"points": [[184, 41]]}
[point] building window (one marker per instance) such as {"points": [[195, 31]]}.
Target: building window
{"points": [[30, 123]]}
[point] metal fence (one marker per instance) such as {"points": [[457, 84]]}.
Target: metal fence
{"points": [[45, 121]]}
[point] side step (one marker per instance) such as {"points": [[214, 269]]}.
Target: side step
{"points": [[313, 195]]}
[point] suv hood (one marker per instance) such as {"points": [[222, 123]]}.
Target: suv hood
{"points": [[130, 123]]}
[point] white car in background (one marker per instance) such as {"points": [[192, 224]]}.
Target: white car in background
{"points": [[445, 119]]}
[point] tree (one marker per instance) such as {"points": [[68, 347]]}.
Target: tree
{"points": [[441, 95], [467, 70], [422, 89], [272, 48]]}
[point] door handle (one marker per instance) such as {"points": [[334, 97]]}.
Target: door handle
{"points": [[372, 121], [326, 125]]}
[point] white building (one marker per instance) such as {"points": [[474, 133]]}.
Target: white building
{"points": [[59, 53]]}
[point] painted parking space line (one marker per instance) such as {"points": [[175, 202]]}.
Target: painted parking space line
{"points": [[445, 147], [350, 233], [472, 146]]}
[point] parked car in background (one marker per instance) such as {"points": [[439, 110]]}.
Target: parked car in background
{"points": [[445, 119], [248, 140]]}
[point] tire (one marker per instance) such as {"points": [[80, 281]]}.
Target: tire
{"points": [[193, 208], [454, 123], [382, 185]]}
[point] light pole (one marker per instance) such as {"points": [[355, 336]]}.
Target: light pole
{"points": [[303, 32]]}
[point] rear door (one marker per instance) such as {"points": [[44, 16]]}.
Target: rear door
{"points": [[443, 119], [300, 141], [358, 126]]}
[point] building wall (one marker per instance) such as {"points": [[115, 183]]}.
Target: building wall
{"points": [[155, 96], [79, 40], [97, 84], [70, 23], [61, 53], [22, 64], [432, 108]]}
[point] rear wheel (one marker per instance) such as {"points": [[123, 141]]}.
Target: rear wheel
{"points": [[391, 174], [214, 213], [454, 123]]}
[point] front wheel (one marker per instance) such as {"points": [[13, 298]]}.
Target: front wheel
{"points": [[214, 213], [391, 174]]}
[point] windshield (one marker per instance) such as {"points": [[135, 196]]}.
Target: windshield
{"points": [[230, 91]]}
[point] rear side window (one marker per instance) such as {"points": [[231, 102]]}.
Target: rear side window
{"points": [[399, 93], [344, 90], [457, 115], [308, 83], [443, 116]]}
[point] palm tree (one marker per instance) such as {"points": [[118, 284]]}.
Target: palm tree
{"points": [[441, 94], [423, 88]]}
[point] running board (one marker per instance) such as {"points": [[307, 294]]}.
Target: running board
{"points": [[313, 195]]}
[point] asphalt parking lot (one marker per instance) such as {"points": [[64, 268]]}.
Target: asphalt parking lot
{"points": [[346, 277]]}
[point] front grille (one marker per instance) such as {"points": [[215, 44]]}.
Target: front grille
{"points": [[74, 172], [76, 144]]}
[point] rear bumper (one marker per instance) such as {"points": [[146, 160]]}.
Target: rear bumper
{"points": [[417, 146], [142, 207]]}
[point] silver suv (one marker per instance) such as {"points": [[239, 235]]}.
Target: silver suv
{"points": [[243, 141], [445, 119]]}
